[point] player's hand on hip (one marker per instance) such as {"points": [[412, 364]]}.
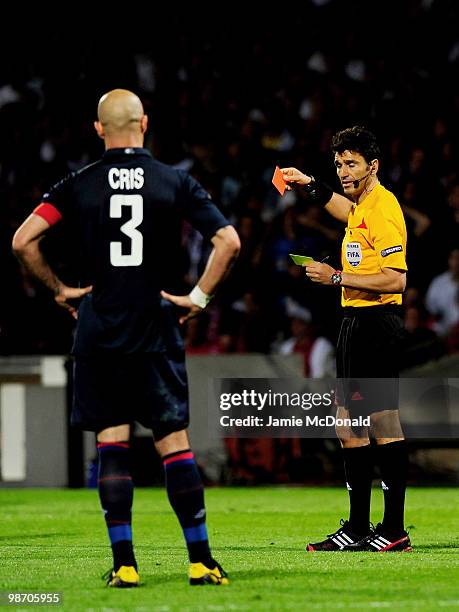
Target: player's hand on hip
{"points": [[183, 301], [293, 177], [319, 272], [63, 294]]}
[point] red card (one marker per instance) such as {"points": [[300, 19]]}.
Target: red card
{"points": [[278, 181]]}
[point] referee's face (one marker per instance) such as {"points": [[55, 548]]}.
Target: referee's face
{"points": [[350, 167]]}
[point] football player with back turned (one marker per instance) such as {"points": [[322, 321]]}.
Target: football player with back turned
{"points": [[127, 210]]}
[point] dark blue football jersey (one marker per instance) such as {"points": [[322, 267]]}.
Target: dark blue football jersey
{"points": [[126, 213]]}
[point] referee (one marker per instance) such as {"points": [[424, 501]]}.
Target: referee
{"points": [[372, 280]]}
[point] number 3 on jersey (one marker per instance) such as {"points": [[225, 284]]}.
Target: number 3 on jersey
{"points": [[134, 258]]}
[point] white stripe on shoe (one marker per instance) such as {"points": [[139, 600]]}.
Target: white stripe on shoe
{"points": [[381, 541], [349, 541], [336, 540], [342, 539]]}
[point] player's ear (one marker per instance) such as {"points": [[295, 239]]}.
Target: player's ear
{"points": [[374, 166], [99, 129], [144, 124]]}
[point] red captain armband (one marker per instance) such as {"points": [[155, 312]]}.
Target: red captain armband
{"points": [[48, 212]]}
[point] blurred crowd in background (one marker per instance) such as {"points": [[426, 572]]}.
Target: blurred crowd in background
{"points": [[228, 104]]}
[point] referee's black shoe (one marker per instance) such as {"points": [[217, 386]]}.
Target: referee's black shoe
{"points": [[381, 540], [337, 541]]}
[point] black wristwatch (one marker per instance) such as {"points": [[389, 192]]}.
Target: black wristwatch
{"points": [[336, 277]]}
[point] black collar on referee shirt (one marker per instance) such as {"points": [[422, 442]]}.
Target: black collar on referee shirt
{"points": [[122, 152]]}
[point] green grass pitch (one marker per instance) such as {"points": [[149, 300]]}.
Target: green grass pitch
{"points": [[55, 540]]}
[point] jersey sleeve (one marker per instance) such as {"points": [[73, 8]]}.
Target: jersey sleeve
{"points": [[389, 239], [199, 209], [55, 203]]}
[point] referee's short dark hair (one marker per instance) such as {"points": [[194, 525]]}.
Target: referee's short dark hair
{"points": [[357, 139]]}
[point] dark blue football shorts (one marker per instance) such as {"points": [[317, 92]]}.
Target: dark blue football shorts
{"points": [[150, 388]]}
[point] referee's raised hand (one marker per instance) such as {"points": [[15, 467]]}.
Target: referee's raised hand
{"points": [[293, 177]]}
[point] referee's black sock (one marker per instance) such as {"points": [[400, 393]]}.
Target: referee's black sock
{"points": [[358, 466], [116, 494], [392, 459]]}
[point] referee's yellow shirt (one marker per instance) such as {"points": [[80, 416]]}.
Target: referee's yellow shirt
{"points": [[375, 239]]}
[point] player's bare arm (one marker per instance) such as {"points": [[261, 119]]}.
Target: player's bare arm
{"points": [[338, 206], [226, 245], [389, 280], [26, 247]]}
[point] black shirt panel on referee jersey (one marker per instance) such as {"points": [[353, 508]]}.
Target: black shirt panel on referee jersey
{"points": [[126, 213]]}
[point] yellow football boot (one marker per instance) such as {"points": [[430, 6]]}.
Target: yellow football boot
{"points": [[124, 578], [200, 574]]}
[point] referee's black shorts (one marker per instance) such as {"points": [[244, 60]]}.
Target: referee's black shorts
{"points": [[370, 343], [150, 388]]}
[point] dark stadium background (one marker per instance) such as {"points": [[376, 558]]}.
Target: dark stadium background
{"points": [[228, 100]]}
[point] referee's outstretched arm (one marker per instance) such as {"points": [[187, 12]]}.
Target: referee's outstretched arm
{"points": [[226, 249], [337, 205]]}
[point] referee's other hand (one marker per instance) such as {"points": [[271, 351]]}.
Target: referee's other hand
{"points": [[183, 301], [293, 177], [319, 272]]}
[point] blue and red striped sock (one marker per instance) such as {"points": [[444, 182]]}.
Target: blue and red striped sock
{"points": [[186, 495], [116, 494]]}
